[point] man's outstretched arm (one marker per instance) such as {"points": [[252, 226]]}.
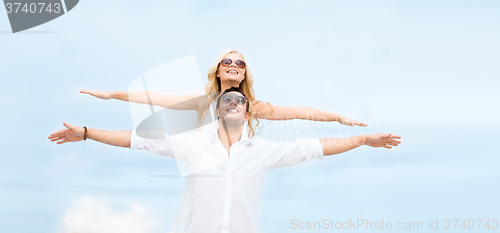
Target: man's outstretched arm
{"points": [[74, 134], [333, 146]]}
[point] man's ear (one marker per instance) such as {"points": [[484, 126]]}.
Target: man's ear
{"points": [[217, 112], [247, 116]]}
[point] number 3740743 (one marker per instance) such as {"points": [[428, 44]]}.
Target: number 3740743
{"points": [[471, 223], [33, 8]]}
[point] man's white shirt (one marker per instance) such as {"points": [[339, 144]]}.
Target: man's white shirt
{"points": [[224, 189]]}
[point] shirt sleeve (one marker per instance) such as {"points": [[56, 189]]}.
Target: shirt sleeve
{"points": [[156, 146], [280, 154]]}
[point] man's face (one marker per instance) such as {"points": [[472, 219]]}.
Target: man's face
{"points": [[232, 110]]}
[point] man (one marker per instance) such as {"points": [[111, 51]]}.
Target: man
{"points": [[229, 167]]}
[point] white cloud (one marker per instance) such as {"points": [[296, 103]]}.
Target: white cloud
{"points": [[87, 215]]}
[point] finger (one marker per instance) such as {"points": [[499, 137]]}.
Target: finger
{"points": [[58, 141], [69, 126], [390, 135], [385, 135], [392, 140], [63, 141], [57, 138], [385, 146], [53, 136], [395, 136], [396, 141], [57, 133], [87, 92]]}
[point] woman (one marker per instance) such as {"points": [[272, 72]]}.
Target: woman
{"points": [[229, 70]]}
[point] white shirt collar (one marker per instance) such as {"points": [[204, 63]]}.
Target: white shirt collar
{"points": [[214, 133]]}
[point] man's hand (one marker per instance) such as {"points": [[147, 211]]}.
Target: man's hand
{"points": [[386, 140], [350, 122], [99, 94], [70, 134]]}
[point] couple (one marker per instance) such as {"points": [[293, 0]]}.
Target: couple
{"points": [[230, 166]]}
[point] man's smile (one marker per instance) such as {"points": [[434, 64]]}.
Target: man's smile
{"points": [[232, 110]]}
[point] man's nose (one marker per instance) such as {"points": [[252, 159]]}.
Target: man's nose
{"points": [[233, 101]]}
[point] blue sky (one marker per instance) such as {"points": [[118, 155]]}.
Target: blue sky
{"points": [[425, 70]]}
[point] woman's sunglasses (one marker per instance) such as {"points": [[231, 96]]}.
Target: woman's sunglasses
{"points": [[227, 62], [229, 97]]}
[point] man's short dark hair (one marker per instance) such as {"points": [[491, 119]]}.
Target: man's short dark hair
{"points": [[236, 89]]}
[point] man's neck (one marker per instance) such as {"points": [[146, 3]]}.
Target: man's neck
{"points": [[229, 135]]}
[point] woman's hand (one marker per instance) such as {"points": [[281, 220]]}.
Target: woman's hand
{"points": [[70, 134], [105, 95], [350, 122], [386, 140]]}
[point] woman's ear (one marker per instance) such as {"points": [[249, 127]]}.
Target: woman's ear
{"points": [[217, 112]]}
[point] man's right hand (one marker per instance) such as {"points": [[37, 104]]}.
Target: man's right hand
{"points": [[105, 95], [70, 134], [386, 140]]}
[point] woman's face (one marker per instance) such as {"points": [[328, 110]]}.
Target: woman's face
{"points": [[231, 73]]}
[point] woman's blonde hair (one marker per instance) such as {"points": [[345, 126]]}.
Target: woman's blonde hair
{"points": [[213, 88]]}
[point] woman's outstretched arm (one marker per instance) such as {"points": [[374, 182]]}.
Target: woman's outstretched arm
{"points": [[264, 110], [176, 102]]}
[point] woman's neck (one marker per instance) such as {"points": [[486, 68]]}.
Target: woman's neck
{"points": [[227, 85]]}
